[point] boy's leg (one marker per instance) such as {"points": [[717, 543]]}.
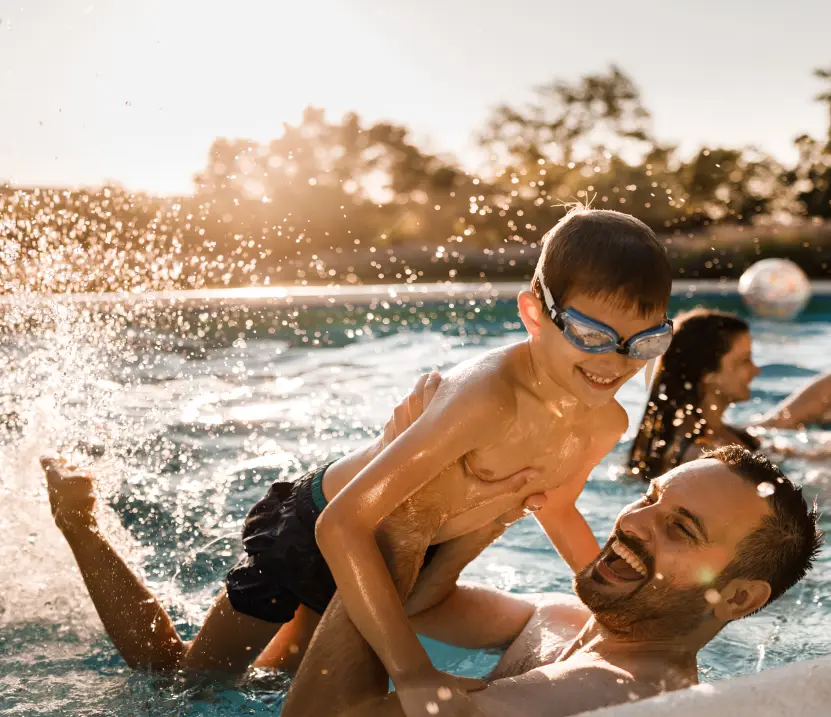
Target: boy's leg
{"points": [[136, 622], [289, 645], [228, 641], [138, 625]]}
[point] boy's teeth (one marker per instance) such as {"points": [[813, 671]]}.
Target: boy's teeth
{"points": [[598, 379], [629, 557]]}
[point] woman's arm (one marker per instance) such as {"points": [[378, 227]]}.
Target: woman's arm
{"points": [[809, 405]]}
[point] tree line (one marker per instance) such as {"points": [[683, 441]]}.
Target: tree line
{"points": [[345, 200]]}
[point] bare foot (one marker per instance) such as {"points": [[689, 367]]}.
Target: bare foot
{"points": [[71, 495]]}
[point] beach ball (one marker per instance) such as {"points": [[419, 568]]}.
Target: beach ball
{"points": [[775, 289]]}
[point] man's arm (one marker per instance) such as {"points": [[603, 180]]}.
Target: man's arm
{"points": [[476, 617]]}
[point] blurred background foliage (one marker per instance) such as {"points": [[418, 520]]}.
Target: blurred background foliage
{"points": [[343, 201]]}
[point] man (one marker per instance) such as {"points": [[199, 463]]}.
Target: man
{"points": [[710, 542]]}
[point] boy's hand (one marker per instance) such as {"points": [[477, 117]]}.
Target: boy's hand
{"points": [[71, 495], [438, 693]]}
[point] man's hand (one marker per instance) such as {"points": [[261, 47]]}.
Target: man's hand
{"points": [[71, 495], [437, 693], [412, 406], [410, 409]]}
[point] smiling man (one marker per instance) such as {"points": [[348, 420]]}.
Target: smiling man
{"points": [[710, 542]]}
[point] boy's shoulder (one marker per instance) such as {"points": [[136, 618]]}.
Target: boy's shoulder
{"points": [[490, 370], [485, 382], [610, 421]]}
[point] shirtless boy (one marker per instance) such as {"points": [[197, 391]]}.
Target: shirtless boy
{"points": [[594, 316]]}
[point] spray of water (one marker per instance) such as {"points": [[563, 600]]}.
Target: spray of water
{"points": [[69, 357]]}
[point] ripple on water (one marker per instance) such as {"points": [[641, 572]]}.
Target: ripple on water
{"points": [[195, 428]]}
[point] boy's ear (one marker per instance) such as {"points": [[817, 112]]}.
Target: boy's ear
{"points": [[530, 311]]}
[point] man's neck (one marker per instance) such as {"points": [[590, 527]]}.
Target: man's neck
{"points": [[669, 661]]}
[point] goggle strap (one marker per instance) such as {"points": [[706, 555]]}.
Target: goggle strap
{"points": [[549, 300]]}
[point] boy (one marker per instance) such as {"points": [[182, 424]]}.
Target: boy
{"points": [[595, 315]]}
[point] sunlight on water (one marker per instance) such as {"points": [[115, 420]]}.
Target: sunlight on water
{"points": [[189, 412]]}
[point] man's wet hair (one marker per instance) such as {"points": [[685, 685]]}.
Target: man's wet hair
{"points": [[600, 252], [783, 548]]}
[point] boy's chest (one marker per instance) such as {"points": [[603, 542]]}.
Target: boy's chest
{"points": [[550, 441], [465, 490]]}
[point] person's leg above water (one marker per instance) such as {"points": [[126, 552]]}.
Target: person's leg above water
{"points": [[138, 624], [133, 617]]}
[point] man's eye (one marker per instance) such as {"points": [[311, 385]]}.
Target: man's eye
{"points": [[688, 534], [647, 499]]}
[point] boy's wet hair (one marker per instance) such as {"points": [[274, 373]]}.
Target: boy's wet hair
{"points": [[599, 252]]}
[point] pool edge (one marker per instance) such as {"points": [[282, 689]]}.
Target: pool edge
{"points": [[801, 689]]}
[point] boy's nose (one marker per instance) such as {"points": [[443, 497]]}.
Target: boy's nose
{"points": [[618, 364]]}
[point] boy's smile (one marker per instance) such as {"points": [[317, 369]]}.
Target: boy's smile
{"points": [[595, 378], [600, 380]]}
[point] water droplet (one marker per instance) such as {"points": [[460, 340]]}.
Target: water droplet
{"points": [[432, 708], [765, 489], [712, 597]]}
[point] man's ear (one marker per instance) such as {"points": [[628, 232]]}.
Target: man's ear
{"points": [[741, 597], [530, 311]]}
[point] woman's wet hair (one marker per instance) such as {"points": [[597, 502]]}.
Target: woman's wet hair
{"points": [[600, 252], [673, 417]]}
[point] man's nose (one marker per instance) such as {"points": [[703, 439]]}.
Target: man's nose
{"points": [[638, 523]]}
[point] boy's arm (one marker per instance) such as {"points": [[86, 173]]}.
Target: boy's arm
{"points": [[567, 529], [558, 516], [453, 426]]}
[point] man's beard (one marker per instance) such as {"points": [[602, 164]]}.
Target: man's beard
{"points": [[653, 609]]}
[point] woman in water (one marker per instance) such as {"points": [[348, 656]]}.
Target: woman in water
{"points": [[709, 366]]}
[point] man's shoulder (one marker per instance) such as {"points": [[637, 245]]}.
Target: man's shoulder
{"points": [[590, 683], [569, 687]]}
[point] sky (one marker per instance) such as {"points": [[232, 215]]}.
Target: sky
{"points": [[134, 92]]}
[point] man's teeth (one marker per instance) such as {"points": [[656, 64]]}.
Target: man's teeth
{"points": [[599, 379], [630, 558]]}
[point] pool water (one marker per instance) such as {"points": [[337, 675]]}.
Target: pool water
{"points": [[198, 409]]}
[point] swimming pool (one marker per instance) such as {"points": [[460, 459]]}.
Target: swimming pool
{"points": [[200, 408]]}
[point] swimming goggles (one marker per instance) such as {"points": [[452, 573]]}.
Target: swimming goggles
{"points": [[594, 337]]}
